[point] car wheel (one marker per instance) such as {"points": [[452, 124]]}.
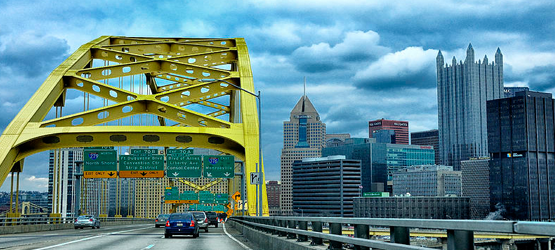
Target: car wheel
{"points": [[216, 225], [76, 228], [156, 226], [206, 229], [167, 235], [195, 235]]}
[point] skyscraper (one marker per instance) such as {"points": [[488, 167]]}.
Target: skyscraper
{"points": [[462, 91], [61, 179], [430, 137], [304, 135], [401, 129], [522, 146]]}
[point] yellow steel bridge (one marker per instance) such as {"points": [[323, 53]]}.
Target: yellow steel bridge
{"points": [[185, 81]]}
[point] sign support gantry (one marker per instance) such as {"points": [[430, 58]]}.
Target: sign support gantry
{"points": [[189, 92]]}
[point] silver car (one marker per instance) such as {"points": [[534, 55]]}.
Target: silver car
{"points": [[86, 221], [201, 219], [161, 220]]}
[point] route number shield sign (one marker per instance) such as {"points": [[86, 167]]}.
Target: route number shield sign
{"points": [[219, 166], [100, 163]]}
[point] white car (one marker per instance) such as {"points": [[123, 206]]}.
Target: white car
{"points": [[86, 221]]}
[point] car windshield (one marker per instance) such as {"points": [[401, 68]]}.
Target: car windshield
{"points": [[199, 215], [180, 217]]}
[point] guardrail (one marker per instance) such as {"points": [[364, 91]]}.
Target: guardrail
{"points": [[460, 233], [15, 221]]}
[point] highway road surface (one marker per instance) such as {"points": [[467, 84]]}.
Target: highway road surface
{"points": [[145, 237]]}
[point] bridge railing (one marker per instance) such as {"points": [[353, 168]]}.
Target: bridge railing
{"points": [[8, 221], [460, 233]]}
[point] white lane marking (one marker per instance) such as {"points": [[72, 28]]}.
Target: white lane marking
{"points": [[233, 238], [90, 238], [149, 247]]}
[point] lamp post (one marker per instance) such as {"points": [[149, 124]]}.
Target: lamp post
{"points": [[259, 165]]}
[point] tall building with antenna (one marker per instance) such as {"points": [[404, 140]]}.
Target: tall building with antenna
{"points": [[304, 136], [462, 91]]}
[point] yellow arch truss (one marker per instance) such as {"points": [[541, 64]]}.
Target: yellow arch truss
{"points": [[195, 71]]}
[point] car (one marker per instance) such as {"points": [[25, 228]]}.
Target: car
{"points": [[161, 220], [181, 224], [201, 219], [86, 221], [212, 218]]}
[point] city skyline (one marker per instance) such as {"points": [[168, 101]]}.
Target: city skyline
{"points": [[363, 61]]}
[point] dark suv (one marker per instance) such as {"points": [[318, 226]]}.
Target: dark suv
{"points": [[212, 218]]}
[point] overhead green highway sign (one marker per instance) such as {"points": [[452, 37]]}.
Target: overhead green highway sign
{"points": [[100, 163], [221, 198], [219, 166], [177, 151], [206, 197], [141, 166], [184, 166]]}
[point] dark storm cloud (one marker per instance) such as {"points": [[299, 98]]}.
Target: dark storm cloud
{"points": [[541, 78], [356, 47], [32, 55]]}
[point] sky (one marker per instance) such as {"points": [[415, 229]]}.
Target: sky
{"points": [[363, 60]]}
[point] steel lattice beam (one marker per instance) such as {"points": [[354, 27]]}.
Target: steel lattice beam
{"points": [[193, 68]]}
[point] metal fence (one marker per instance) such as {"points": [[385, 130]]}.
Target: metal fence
{"points": [[460, 233], [5, 221]]}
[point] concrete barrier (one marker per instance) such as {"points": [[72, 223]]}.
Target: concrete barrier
{"points": [[17, 229], [269, 241]]}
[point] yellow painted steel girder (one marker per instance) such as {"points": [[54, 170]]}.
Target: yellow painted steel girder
{"points": [[195, 70]]}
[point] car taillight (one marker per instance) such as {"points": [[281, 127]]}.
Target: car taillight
{"points": [[90, 220], [206, 220], [192, 223], [75, 220], [156, 220], [167, 223]]}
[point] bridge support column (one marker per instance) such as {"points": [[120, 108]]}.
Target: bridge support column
{"points": [[316, 227], [303, 225], [335, 228], [363, 232], [291, 224], [460, 240], [400, 235]]}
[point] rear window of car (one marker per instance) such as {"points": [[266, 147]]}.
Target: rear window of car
{"points": [[180, 217], [84, 217], [211, 215], [198, 215]]}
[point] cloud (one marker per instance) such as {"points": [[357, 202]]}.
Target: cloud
{"points": [[412, 67], [32, 54], [356, 47]]}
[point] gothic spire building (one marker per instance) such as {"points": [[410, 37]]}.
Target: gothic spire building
{"points": [[304, 135], [462, 91]]}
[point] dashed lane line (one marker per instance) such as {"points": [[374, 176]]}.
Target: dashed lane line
{"points": [[90, 238]]}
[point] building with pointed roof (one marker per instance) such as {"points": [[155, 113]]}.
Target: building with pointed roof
{"points": [[462, 91], [304, 136]]}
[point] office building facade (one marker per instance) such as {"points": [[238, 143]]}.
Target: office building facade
{"points": [[522, 166], [304, 135], [325, 186], [401, 129], [61, 180], [412, 207], [475, 185], [425, 138], [380, 160], [384, 136], [429, 180], [273, 189], [511, 91], [462, 91]]}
